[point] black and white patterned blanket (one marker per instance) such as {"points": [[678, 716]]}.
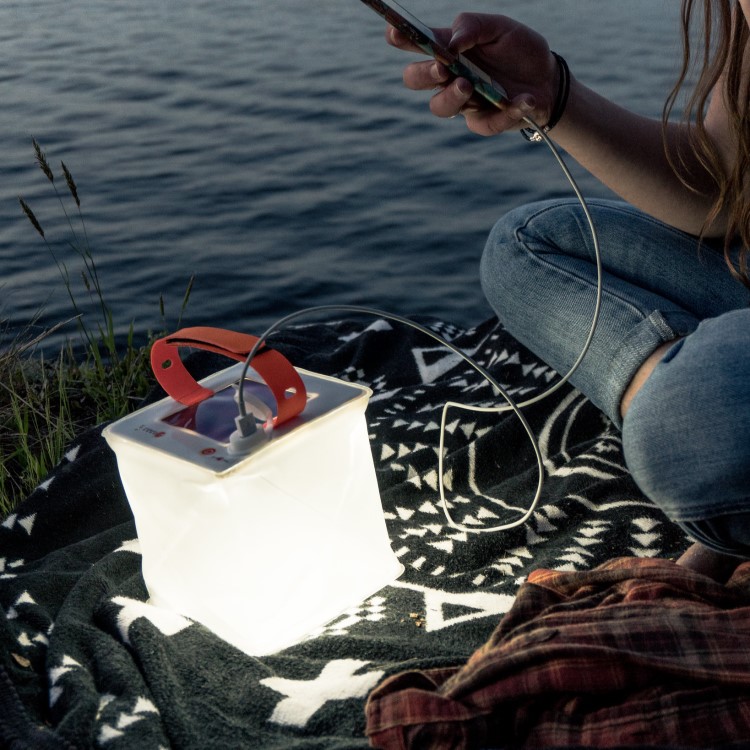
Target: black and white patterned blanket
{"points": [[87, 662]]}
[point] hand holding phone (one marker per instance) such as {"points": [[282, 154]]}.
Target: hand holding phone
{"points": [[423, 37]]}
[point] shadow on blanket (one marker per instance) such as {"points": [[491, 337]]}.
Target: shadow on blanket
{"points": [[87, 662]]}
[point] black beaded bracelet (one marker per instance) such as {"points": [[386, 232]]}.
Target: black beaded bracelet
{"points": [[561, 101]]}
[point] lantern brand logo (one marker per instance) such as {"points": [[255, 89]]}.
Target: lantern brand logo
{"points": [[151, 431]]}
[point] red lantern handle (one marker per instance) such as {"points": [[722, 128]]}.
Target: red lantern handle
{"points": [[275, 369]]}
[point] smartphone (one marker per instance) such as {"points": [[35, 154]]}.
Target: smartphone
{"points": [[423, 37]]}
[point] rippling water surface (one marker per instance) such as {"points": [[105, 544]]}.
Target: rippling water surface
{"points": [[270, 149]]}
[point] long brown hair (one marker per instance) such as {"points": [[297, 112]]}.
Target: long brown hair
{"points": [[719, 59]]}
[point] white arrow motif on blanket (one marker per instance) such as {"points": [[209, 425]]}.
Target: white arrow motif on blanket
{"points": [[337, 682], [378, 325], [483, 603], [27, 522], [142, 709], [168, 622], [431, 371], [67, 664]]}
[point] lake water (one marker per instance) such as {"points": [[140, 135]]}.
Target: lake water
{"points": [[270, 149]]}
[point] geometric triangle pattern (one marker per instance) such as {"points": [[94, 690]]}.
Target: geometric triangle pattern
{"points": [[93, 664]]}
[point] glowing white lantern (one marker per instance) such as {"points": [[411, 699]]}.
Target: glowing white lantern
{"points": [[261, 547]]}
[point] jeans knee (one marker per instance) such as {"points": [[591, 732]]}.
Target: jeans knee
{"points": [[651, 452], [501, 243], [498, 261], [504, 268], [685, 435]]}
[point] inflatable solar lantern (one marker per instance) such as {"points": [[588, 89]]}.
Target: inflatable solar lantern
{"points": [[264, 544]]}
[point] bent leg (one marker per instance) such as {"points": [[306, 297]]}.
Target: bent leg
{"points": [[539, 275], [685, 436]]}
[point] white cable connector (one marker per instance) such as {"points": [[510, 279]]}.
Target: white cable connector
{"points": [[254, 424], [246, 437]]}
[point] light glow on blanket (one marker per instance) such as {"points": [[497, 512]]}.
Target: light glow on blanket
{"points": [[263, 548]]}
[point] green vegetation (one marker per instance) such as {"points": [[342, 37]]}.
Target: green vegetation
{"points": [[46, 402]]}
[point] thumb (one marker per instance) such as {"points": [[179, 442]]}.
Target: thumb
{"points": [[459, 42], [465, 30]]}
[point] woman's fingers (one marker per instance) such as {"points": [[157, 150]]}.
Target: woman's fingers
{"points": [[492, 121], [422, 76], [397, 39], [515, 55], [452, 99]]}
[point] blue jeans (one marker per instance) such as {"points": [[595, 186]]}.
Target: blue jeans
{"points": [[686, 436]]}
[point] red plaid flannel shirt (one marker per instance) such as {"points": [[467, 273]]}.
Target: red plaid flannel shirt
{"points": [[636, 652]]}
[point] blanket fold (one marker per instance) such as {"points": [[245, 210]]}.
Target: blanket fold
{"points": [[88, 662]]}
